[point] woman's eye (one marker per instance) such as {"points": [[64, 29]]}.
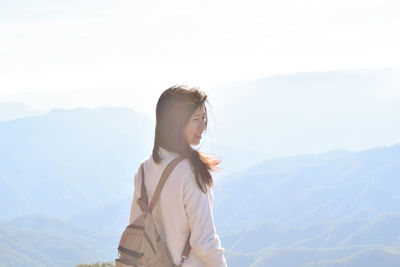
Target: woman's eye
{"points": [[203, 118]]}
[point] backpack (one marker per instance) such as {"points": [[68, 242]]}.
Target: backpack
{"points": [[140, 244]]}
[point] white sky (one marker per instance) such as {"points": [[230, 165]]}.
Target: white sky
{"points": [[118, 52]]}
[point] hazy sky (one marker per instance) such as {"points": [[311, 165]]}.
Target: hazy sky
{"points": [[75, 53]]}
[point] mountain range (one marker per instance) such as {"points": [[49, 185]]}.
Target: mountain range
{"points": [[68, 160], [14, 110], [309, 224], [309, 112], [286, 195]]}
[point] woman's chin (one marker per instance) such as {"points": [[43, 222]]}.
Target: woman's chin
{"points": [[195, 142]]}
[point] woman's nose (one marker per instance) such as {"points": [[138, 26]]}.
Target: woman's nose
{"points": [[203, 125]]}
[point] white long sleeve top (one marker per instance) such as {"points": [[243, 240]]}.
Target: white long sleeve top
{"points": [[181, 209]]}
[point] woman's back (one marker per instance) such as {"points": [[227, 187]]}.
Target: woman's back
{"points": [[182, 209]]}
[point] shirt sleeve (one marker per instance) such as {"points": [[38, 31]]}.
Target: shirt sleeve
{"points": [[204, 240]]}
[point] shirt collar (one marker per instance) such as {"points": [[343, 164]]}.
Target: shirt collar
{"points": [[165, 152]]}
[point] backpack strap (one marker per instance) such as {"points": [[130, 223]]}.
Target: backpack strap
{"points": [[143, 200], [186, 250], [163, 180]]}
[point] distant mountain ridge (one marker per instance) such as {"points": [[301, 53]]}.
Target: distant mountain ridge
{"points": [[44, 241], [382, 230], [306, 189], [272, 238], [13, 110], [63, 244], [310, 112], [336, 257], [69, 160]]}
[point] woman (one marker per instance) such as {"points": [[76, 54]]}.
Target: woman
{"points": [[185, 203]]}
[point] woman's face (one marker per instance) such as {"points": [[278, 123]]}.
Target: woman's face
{"points": [[196, 126]]}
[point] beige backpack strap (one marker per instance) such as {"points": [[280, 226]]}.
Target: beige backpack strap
{"points": [[163, 180], [143, 201], [186, 250]]}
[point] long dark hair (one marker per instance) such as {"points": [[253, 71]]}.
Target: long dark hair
{"points": [[175, 107]]}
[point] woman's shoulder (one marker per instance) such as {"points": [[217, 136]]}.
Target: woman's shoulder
{"points": [[146, 161], [184, 169], [184, 166]]}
